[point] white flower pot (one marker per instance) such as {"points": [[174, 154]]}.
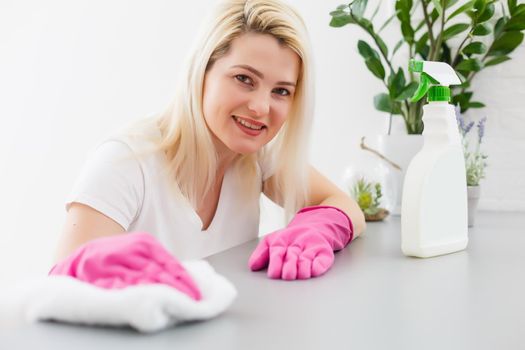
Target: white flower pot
{"points": [[400, 149], [473, 199]]}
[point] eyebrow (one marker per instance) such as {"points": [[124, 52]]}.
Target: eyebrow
{"points": [[259, 74]]}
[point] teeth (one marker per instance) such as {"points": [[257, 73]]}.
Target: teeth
{"points": [[246, 124]]}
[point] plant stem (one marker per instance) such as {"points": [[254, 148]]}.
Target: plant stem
{"points": [[454, 61], [469, 35], [429, 25], [406, 117], [366, 148], [435, 51]]}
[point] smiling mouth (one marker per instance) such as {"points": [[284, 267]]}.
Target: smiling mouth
{"points": [[247, 124]]}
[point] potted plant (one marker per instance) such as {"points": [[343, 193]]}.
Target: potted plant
{"points": [[484, 39], [368, 196], [475, 161]]}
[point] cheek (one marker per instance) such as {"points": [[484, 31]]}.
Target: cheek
{"points": [[211, 104], [219, 99], [281, 115]]}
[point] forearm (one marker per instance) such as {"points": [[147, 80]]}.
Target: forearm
{"points": [[351, 208]]}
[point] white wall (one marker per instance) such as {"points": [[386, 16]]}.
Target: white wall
{"points": [[72, 72]]}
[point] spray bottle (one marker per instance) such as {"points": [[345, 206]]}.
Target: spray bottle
{"points": [[434, 203]]}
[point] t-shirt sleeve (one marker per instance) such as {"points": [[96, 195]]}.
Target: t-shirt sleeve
{"points": [[111, 182]]}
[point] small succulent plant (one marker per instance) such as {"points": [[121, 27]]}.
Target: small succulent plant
{"points": [[368, 196]]}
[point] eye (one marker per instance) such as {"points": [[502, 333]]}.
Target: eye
{"points": [[282, 92], [243, 78]]}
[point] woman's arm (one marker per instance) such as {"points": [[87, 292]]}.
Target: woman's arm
{"points": [[324, 192], [83, 224]]}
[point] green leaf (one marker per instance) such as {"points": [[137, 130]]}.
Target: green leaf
{"points": [[342, 7], [475, 105], [445, 55], [481, 30], [486, 14], [387, 22], [383, 103], [466, 7], [463, 100], [408, 32], [515, 23], [341, 20], [407, 92], [376, 67], [505, 44], [404, 5], [496, 60], [403, 14], [449, 3], [419, 26], [372, 60], [434, 15], [519, 10], [512, 6], [437, 6], [479, 5], [376, 10], [366, 51], [337, 13], [421, 42], [382, 45], [476, 47], [464, 85], [469, 65], [454, 30], [398, 45], [358, 8], [396, 82], [498, 27]]}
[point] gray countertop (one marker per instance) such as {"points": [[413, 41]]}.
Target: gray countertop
{"points": [[373, 298]]}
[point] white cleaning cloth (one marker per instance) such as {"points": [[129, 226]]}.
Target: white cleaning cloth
{"points": [[146, 307]]}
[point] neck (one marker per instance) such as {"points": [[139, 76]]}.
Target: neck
{"points": [[225, 156]]}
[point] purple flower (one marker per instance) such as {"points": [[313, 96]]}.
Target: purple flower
{"points": [[459, 119], [481, 128], [468, 127]]}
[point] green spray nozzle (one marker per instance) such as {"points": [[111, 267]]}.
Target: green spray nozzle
{"points": [[435, 79]]}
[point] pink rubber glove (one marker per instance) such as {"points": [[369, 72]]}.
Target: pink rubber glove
{"points": [[125, 260], [305, 248]]}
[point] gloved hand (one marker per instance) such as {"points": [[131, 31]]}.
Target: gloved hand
{"points": [[124, 260], [305, 248]]}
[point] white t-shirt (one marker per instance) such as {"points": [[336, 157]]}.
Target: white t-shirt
{"points": [[134, 192]]}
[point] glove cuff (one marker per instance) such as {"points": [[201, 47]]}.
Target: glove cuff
{"points": [[317, 207]]}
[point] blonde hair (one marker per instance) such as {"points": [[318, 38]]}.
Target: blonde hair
{"points": [[184, 136]]}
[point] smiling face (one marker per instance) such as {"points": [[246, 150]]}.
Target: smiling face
{"points": [[248, 93]]}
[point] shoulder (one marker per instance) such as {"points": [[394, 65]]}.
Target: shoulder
{"points": [[126, 145]]}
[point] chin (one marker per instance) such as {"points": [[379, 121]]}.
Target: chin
{"points": [[245, 149]]}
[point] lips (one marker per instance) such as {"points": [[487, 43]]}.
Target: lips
{"points": [[251, 121], [247, 130]]}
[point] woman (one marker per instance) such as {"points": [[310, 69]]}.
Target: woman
{"points": [[238, 126]]}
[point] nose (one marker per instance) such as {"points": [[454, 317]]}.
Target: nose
{"points": [[259, 104]]}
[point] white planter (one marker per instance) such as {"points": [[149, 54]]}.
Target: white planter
{"points": [[400, 149], [473, 199]]}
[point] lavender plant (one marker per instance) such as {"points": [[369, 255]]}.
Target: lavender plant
{"points": [[475, 160]]}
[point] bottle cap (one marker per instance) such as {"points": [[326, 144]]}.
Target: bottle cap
{"points": [[439, 93]]}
